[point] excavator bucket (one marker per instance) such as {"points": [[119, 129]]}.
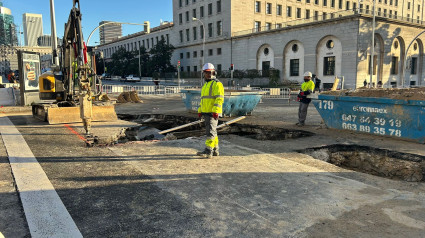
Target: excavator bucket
{"points": [[61, 115]]}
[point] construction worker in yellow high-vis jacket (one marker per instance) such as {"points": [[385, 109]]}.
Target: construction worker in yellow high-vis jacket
{"points": [[210, 108]]}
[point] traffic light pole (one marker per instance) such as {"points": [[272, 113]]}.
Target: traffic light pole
{"points": [[231, 77], [178, 74], [232, 68]]}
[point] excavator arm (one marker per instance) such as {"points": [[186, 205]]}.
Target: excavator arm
{"points": [[70, 83], [74, 66]]}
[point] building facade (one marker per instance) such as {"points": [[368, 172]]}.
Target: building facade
{"points": [[136, 41], [109, 32], [32, 27], [330, 38], [46, 41], [8, 29], [9, 56]]}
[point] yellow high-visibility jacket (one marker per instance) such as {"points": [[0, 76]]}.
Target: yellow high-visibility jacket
{"points": [[308, 86], [212, 97]]}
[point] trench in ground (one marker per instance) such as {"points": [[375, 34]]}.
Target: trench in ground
{"points": [[151, 124], [379, 162]]}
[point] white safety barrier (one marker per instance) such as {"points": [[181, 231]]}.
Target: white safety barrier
{"points": [[270, 93], [277, 93], [11, 85], [243, 88], [145, 90]]}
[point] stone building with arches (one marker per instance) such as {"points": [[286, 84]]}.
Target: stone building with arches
{"points": [[329, 40], [338, 47], [334, 47]]}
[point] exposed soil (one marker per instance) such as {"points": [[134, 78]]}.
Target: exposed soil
{"points": [[151, 125], [384, 163], [402, 94]]}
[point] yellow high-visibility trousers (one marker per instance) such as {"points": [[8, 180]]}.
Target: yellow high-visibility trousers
{"points": [[211, 131]]}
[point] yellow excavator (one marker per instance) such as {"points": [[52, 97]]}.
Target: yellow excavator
{"points": [[72, 83]]}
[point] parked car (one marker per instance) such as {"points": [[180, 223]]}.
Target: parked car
{"points": [[105, 76], [132, 78], [116, 78]]}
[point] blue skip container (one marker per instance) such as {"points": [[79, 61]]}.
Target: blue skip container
{"points": [[380, 116], [236, 103]]}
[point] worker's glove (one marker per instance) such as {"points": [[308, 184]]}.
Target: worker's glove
{"points": [[215, 116], [300, 96], [199, 115]]}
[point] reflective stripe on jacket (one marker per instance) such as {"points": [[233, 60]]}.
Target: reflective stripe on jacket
{"points": [[212, 97]]}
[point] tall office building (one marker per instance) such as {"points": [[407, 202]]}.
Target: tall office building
{"points": [[8, 34], [109, 32], [33, 28]]}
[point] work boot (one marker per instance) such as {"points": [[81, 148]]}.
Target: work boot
{"points": [[216, 152], [207, 153]]}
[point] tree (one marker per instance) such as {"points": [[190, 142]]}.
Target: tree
{"points": [[99, 64], [124, 62], [160, 58], [157, 60], [144, 61]]}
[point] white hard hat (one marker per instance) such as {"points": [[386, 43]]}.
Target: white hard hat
{"points": [[308, 74], [208, 67]]}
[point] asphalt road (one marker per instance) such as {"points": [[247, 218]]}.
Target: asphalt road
{"points": [[255, 189]]}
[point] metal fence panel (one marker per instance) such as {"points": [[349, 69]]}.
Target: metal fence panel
{"points": [[270, 93]]}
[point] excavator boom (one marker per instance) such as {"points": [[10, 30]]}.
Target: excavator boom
{"points": [[72, 82]]}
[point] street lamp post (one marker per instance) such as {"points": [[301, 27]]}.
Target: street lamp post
{"points": [[107, 23], [20, 35], [113, 22], [55, 57], [19, 32], [127, 23], [203, 46], [140, 67], [372, 48], [102, 55]]}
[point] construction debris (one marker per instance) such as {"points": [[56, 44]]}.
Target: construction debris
{"points": [[129, 97]]}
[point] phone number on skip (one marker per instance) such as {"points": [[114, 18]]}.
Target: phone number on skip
{"points": [[372, 125]]}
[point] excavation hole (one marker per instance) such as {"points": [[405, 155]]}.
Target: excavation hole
{"points": [[266, 132], [374, 161], [150, 125]]}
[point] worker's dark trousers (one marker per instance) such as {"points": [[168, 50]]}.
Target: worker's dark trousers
{"points": [[211, 131], [302, 112]]}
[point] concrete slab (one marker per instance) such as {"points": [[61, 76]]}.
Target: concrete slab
{"points": [[252, 193]]}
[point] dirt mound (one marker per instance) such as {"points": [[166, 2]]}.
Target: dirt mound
{"points": [[403, 94], [129, 97]]}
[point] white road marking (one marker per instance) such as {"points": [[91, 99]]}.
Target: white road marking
{"points": [[45, 213]]}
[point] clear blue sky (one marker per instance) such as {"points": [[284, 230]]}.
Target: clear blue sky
{"points": [[95, 11]]}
